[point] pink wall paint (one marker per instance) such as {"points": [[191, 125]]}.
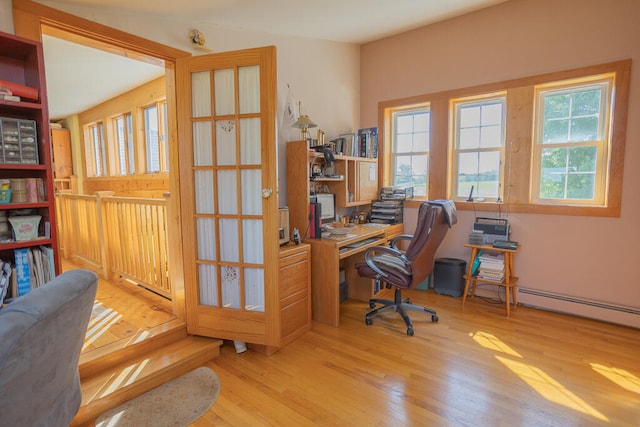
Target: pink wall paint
{"points": [[590, 258]]}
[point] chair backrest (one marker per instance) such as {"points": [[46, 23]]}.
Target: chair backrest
{"points": [[431, 227], [41, 337]]}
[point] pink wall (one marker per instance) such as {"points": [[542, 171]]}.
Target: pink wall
{"points": [[581, 257]]}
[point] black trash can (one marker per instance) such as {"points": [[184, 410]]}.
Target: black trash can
{"points": [[448, 276]]}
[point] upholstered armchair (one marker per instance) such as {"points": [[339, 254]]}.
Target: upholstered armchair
{"points": [[406, 269], [41, 337]]}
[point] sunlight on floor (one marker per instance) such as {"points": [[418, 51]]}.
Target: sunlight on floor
{"points": [[535, 377], [127, 376], [102, 319], [623, 378], [491, 342], [549, 388]]}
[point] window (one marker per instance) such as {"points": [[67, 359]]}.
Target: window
{"points": [[97, 163], [546, 144], [164, 137], [479, 134], [155, 136], [124, 138], [409, 157], [571, 143]]}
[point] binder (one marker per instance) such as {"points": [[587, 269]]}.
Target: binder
{"points": [[23, 271], [315, 220]]}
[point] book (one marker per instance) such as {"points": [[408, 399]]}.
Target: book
{"points": [[37, 267], [23, 271], [5, 279], [32, 190], [363, 137], [9, 97], [13, 286], [47, 253], [368, 142], [32, 270], [315, 221], [41, 189], [350, 144]]}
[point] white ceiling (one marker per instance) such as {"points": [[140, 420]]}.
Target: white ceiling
{"points": [[76, 82], [80, 77]]}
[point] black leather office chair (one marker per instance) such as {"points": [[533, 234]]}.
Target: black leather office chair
{"points": [[405, 270]]}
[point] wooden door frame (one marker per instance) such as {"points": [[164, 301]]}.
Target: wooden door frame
{"points": [[31, 20]]}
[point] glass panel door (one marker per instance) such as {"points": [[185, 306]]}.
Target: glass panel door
{"points": [[231, 226]]}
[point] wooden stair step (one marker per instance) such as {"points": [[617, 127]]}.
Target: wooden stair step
{"points": [[104, 389], [125, 349]]}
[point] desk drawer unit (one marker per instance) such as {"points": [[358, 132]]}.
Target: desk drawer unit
{"points": [[295, 292]]}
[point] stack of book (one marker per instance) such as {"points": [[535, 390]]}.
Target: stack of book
{"points": [[491, 266], [364, 143], [33, 267]]}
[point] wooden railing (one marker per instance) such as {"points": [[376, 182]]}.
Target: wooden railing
{"points": [[121, 236]]}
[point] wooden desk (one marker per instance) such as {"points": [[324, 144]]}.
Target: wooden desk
{"points": [[509, 282], [326, 256]]}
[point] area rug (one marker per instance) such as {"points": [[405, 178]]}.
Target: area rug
{"points": [[176, 403]]}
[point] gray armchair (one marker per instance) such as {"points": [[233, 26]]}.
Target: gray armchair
{"points": [[41, 337]]}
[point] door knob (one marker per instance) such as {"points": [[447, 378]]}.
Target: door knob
{"points": [[266, 193]]}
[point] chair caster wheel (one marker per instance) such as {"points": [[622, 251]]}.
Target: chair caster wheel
{"points": [[434, 318], [368, 321], [410, 332], [372, 305]]}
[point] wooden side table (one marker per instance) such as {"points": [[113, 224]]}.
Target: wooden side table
{"points": [[509, 282]]}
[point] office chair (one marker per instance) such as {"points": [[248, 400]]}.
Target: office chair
{"points": [[406, 269]]}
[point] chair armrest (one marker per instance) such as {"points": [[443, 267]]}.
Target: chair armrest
{"points": [[398, 238], [369, 259]]}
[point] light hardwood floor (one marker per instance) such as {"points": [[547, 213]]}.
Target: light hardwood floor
{"points": [[122, 310], [474, 368]]}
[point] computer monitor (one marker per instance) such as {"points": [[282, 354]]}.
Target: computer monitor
{"points": [[327, 207]]}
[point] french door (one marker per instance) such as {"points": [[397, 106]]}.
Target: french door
{"points": [[226, 110]]}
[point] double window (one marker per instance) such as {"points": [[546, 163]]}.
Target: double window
{"points": [[543, 144], [128, 143]]}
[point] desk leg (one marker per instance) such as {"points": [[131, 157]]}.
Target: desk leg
{"points": [[507, 291], [513, 292], [474, 252], [510, 291]]}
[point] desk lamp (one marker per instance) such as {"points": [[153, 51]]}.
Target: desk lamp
{"points": [[303, 123]]}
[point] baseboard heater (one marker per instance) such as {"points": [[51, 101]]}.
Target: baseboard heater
{"points": [[580, 301]]}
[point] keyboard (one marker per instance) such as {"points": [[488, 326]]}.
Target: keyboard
{"points": [[361, 243], [505, 244]]}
